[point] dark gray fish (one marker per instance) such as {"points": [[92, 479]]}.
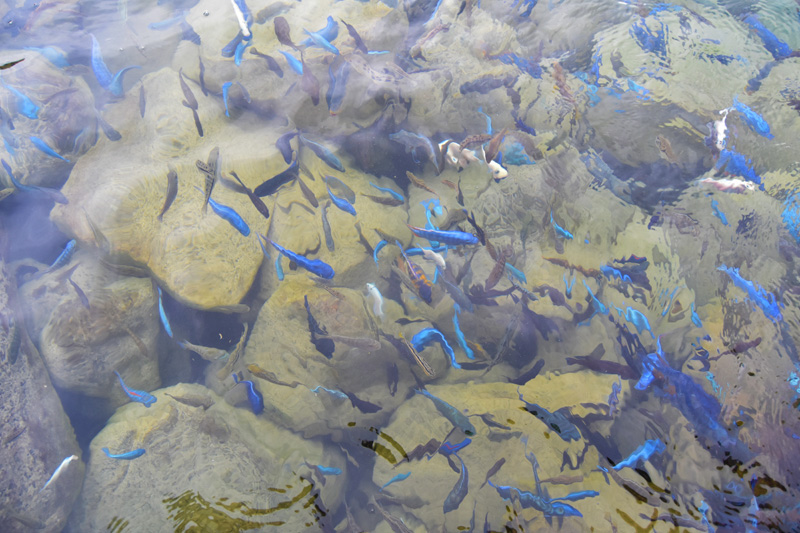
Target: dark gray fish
{"points": [[172, 192], [142, 102], [272, 10], [254, 198], [493, 470], [271, 63], [108, 130], [341, 188], [363, 405], [326, 227], [393, 377], [202, 78], [284, 146], [188, 33], [197, 122], [210, 170], [282, 32], [81, 295], [272, 185], [459, 491], [191, 101], [360, 46], [391, 201], [205, 403], [308, 193], [309, 83]]}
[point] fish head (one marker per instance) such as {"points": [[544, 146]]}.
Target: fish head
{"points": [[563, 509]]}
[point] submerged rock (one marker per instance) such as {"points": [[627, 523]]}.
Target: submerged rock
{"points": [[36, 434], [206, 464]]}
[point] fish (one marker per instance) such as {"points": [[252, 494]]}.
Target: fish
{"points": [[278, 267], [456, 417], [321, 41], [172, 192], [272, 185], [337, 88], [377, 300], [326, 228], [189, 99], [133, 454], [603, 366], [434, 257], [753, 120], [330, 32], [230, 215], [341, 203], [197, 124], [254, 198], [324, 345], [272, 64], [428, 335], [25, 106], [113, 84], [421, 282], [493, 470], [665, 149], [142, 101], [396, 195], [558, 229], [643, 452], [282, 32], [211, 171], [81, 295], [282, 144], [206, 352], [775, 46], [341, 188], [557, 421], [315, 266], [493, 148], [328, 157], [462, 341], [137, 395], [65, 256], [454, 238], [763, 299], [295, 64], [734, 185], [59, 470], [448, 448], [253, 396], [163, 314], [44, 147], [459, 490], [413, 141], [10, 64], [366, 344], [395, 479], [423, 364], [419, 183], [269, 376], [307, 192], [360, 46]]}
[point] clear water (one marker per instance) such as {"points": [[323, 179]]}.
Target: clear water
{"points": [[616, 346]]}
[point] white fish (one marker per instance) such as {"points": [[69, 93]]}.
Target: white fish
{"points": [[730, 185], [60, 469], [240, 19], [720, 130], [458, 157], [498, 172], [430, 255], [377, 300]]}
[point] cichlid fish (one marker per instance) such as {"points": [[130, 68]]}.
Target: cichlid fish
{"points": [[377, 300], [315, 266], [456, 417], [396, 195], [324, 345], [137, 395], [293, 62], [557, 421], [272, 185], [307, 192], [454, 238], [337, 88], [188, 95], [558, 229], [326, 228], [378, 248], [321, 41], [766, 301], [172, 192], [206, 352], [44, 147], [284, 146], [163, 315], [437, 258], [330, 32], [254, 198], [459, 490], [25, 105], [59, 470], [231, 216], [253, 396], [328, 157], [395, 479], [271, 63], [643, 452], [753, 120], [418, 278], [428, 335], [341, 203], [133, 454], [462, 341], [283, 32], [341, 188], [734, 185], [211, 171], [113, 84], [360, 46]]}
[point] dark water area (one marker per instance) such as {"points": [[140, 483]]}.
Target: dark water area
{"points": [[399, 266]]}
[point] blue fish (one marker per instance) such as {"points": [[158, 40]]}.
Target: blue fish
{"points": [[25, 105], [643, 452], [648, 40], [696, 319], [321, 41], [395, 479], [557, 420], [113, 84], [456, 417], [611, 272], [315, 266], [240, 48], [378, 248], [776, 47], [755, 121], [43, 146], [559, 230], [55, 57], [517, 273], [333, 392], [766, 301], [569, 285], [166, 23], [462, 341], [279, 267], [718, 213], [296, 65], [429, 335], [337, 87], [253, 396], [330, 32], [263, 248], [52, 194], [599, 308], [137, 395], [341, 203], [737, 164], [528, 500], [450, 449], [453, 238], [64, 257], [328, 470], [639, 320], [229, 50], [163, 314], [328, 157], [133, 454], [225, 88], [229, 215]]}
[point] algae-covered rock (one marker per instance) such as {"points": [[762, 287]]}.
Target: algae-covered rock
{"points": [[206, 464], [36, 433], [82, 346]]}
